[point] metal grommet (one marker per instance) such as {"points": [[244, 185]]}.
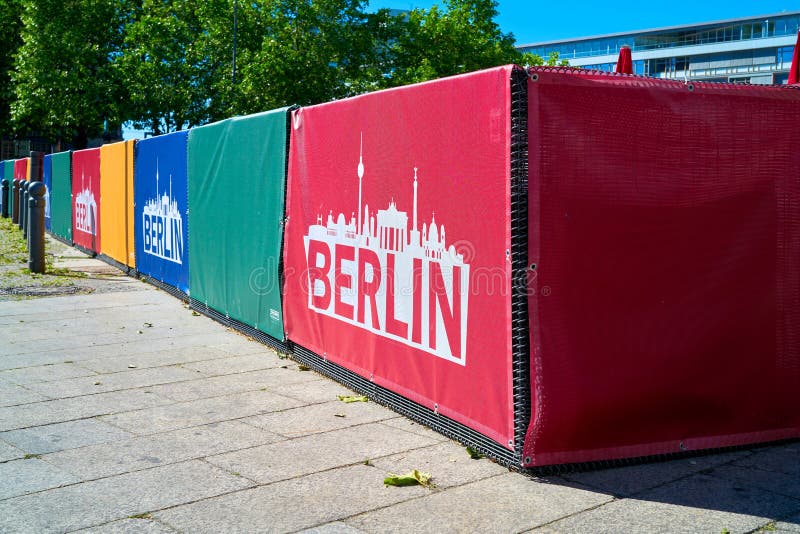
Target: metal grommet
{"points": [[527, 460], [511, 443], [436, 408], [533, 266], [534, 77], [690, 87], [682, 446]]}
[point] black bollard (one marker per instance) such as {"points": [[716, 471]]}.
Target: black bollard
{"points": [[4, 199], [37, 166], [35, 227], [15, 216], [23, 214]]}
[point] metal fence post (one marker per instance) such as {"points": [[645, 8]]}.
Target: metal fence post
{"points": [[15, 195], [20, 196], [5, 197], [23, 214], [37, 166], [35, 227]]}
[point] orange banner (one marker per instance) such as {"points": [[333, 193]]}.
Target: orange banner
{"points": [[116, 198]]}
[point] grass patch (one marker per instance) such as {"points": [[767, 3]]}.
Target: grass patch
{"points": [[16, 280], [13, 248]]}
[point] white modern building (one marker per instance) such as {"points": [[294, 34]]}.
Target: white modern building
{"points": [[754, 50]]}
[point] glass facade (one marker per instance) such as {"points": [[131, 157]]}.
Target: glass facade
{"points": [[734, 50]]}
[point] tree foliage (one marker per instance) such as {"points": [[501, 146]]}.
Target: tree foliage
{"points": [[64, 81], [168, 64], [10, 39], [460, 37], [304, 52]]}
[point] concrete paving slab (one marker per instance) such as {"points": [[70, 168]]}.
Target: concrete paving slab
{"points": [[142, 327], [415, 428], [780, 459], [103, 383], [227, 384], [9, 452], [294, 504], [129, 325], [775, 482], [630, 480], [48, 308], [19, 477], [12, 395], [238, 364], [112, 363], [61, 436], [315, 391], [239, 344], [790, 524], [44, 373], [336, 527], [318, 418], [160, 449], [200, 412], [102, 501], [90, 348], [18, 361], [144, 345], [130, 526], [320, 452], [447, 462], [504, 503], [699, 503], [61, 410], [78, 342]]}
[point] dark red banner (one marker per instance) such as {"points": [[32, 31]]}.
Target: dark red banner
{"points": [[21, 169], [665, 226], [396, 246], [86, 198]]}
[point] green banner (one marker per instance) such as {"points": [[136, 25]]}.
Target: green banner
{"points": [[237, 173], [8, 176], [61, 196]]}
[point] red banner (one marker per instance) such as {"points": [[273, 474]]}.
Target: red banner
{"points": [[86, 198], [396, 246], [665, 310], [21, 169]]}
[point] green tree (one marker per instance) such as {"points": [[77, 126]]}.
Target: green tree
{"points": [[460, 37], [65, 83], [10, 40], [528, 59], [170, 65], [305, 52]]}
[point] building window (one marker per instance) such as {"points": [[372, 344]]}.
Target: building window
{"points": [[783, 57], [691, 36]]}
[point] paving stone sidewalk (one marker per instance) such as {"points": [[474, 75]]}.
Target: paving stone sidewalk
{"points": [[122, 411]]}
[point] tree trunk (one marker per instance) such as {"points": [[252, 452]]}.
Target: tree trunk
{"points": [[80, 140]]}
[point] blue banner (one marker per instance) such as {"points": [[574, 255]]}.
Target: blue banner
{"points": [[161, 209], [47, 178]]}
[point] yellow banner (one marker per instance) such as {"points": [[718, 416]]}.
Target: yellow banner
{"points": [[116, 201]]}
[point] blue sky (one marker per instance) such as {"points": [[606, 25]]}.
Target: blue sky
{"points": [[554, 19]]}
